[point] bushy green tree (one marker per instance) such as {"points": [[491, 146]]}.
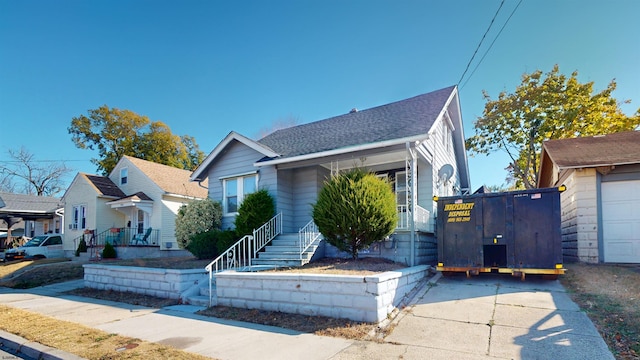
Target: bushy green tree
{"points": [[197, 217], [545, 106], [256, 209], [210, 244], [355, 209], [115, 133]]}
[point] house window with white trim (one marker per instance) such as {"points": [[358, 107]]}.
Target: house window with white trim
{"points": [[79, 220], [124, 176], [235, 189]]}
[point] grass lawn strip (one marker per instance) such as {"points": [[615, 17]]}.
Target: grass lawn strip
{"points": [[610, 296], [81, 340]]}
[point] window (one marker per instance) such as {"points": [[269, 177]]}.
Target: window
{"points": [[79, 218], [235, 189], [446, 135], [124, 172]]}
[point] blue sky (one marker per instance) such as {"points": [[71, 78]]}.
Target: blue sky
{"points": [[206, 68]]}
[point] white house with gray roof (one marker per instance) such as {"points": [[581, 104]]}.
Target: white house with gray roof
{"points": [[134, 207], [417, 143]]}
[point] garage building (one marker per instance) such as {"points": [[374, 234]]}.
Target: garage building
{"points": [[601, 207]]}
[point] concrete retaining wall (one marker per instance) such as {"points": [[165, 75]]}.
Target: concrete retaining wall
{"points": [[359, 298], [164, 283]]}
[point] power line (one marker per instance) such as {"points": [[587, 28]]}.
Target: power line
{"points": [[19, 161], [480, 43], [491, 45]]}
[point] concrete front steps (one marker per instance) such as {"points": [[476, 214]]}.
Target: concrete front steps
{"points": [[284, 251], [198, 294]]}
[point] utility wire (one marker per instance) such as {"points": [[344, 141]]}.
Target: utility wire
{"points": [[481, 40], [489, 48]]}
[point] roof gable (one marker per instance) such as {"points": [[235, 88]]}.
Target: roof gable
{"points": [[593, 151], [168, 178], [201, 172], [398, 120]]}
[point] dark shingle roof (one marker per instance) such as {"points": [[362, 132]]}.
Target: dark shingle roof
{"points": [[591, 151], [106, 186], [401, 119], [29, 203]]}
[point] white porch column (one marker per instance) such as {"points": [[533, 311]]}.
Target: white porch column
{"points": [[412, 198]]}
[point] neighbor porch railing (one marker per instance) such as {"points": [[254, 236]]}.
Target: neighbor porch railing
{"points": [[307, 235], [119, 237], [240, 254], [420, 217]]}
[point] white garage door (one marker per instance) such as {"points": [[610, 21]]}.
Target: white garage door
{"points": [[621, 221]]}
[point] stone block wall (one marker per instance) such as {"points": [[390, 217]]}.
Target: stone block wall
{"points": [[164, 283], [359, 298]]}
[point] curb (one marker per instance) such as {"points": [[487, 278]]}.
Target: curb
{"points": [[33, 349]]}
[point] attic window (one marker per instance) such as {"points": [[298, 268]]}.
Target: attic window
{"points": [[124, 176]]}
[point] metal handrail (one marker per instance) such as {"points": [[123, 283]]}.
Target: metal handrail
{"points": [[265, 233], [307, 235], [240, 254]]}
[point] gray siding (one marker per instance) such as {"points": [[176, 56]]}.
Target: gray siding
{"points": [[306, 187], [237, 159], [285, 199]]}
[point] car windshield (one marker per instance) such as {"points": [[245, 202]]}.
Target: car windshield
{"points": [[36, 241]]}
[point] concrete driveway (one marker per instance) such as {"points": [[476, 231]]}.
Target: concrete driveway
{"points": [[488, 316]]}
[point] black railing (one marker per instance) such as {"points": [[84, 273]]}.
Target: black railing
{"points": [[120, 237]]}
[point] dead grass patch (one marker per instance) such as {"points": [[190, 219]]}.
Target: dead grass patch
{"points": [[361, 266], [81, 340], [32, 273], [610, 296]]}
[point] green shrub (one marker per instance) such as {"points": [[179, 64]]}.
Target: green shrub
{"points": [[210, 244], [82, 247], [256, 209], [203, 245], [355, 209], [199, 216], [226, 239], [109, 252]]}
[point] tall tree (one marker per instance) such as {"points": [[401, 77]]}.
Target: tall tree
{"points": [[42, 178], [115, 133], [545, 106]]}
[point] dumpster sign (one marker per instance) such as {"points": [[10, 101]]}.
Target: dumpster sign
{"points": [[458, 212]]}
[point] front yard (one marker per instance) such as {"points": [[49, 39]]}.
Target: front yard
{"points": [[609, 295]]}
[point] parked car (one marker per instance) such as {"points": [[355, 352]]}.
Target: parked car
{"points": [[40, 247]]}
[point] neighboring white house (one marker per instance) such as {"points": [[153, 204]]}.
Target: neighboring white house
{"points": [[417, 143], [135, 205], [600, 211]]}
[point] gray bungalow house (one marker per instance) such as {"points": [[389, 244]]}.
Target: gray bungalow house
{"points": [[417, 144]]}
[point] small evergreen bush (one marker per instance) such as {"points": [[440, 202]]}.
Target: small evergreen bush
{"points": [[109, 252], [355, 209], [210, 244], [82, 247], [226, 239], [203, 245], [256, 209]]}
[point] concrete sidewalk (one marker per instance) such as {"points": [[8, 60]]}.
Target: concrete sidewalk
{"points": [[486, 317]]}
